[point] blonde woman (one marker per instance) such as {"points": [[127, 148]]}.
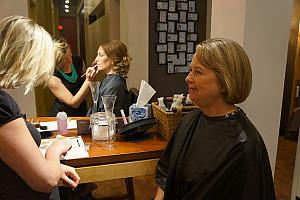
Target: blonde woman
{"points": [[67, 83], [25, 173], [216, 152], [113, 60]]}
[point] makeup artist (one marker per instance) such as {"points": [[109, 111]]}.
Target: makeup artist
{"points": [[67, 84]]}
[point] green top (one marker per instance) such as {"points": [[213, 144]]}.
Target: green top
{"points": [[73, 77]]}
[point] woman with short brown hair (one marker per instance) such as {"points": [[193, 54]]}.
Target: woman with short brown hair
{"points": [[216, 153]]}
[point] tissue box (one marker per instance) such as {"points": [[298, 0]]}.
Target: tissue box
{"points": [[138, 113]]}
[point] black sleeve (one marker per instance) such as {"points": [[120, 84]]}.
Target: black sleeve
{"points": [[163, 164], [259, 180], [9, 110]]}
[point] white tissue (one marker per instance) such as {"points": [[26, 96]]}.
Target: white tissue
{"points": [[145, 94]]}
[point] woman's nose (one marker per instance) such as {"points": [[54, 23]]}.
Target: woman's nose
{"points": [[188, 77]]}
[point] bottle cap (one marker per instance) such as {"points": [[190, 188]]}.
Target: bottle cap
{"points": [[61, 115]]}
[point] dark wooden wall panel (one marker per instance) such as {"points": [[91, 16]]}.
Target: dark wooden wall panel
{"points": [[69, 32]]}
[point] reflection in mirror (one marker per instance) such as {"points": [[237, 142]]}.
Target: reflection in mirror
{"points": [[88, 23], [84, 24]]}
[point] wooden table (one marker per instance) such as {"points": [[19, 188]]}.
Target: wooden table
{"points": [[125, 159]]}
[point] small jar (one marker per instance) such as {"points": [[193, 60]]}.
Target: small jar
{"points": [[100, 128]]}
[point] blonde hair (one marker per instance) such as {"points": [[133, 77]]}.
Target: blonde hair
{"points": [[60, 46], [117, 51], [231, 65], [26, 53]]}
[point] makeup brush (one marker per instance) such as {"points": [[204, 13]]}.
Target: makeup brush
{"points": [[95, 68]]}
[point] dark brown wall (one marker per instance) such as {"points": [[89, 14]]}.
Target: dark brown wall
{"points": [[169, 84], [69, 31]]}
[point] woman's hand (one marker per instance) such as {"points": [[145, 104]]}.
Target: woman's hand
{"points": [[69, 176], [59, 147], [91, 73]]}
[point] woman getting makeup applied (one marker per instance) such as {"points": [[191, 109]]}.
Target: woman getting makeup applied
{"points": [[113, 60], [26, 59], [216, 153]]}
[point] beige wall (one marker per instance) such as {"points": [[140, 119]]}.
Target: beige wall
{"points": [[13, 7], [114, 19], [228, 19], [134, 32], [266, 41], [45, 14], [95, 35], [105, 28], [263, 30]]}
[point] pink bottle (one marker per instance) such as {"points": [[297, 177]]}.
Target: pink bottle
{"points": [[62, 125]]}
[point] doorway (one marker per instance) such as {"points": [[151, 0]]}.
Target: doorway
{"points": [[289, 124], [291, 98]]}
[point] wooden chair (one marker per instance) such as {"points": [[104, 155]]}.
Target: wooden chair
{"points": [[133, 94]]}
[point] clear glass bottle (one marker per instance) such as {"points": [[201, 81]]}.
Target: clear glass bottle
{"points": [[161, 103]]}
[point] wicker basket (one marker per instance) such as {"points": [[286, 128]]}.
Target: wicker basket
{"points": [[167, 121]]}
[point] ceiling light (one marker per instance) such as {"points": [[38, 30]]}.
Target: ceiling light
{"points": [[67, 1], [66, 6], [67, 10]]}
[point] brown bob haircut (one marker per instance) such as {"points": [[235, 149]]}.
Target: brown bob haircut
{"points": [[231, 65]]}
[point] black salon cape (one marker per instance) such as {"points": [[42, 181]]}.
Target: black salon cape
{"points": [[113, 84], [214, 158]]}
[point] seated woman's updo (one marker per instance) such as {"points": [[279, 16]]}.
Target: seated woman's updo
{"points": [[117, 51]]}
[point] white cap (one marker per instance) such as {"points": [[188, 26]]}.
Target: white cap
{"points": [[61, 115]]}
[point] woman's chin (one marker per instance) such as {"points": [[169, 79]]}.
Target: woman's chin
{"points": [[192, 96]]}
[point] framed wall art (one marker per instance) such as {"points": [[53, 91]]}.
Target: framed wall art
{"points": [[162, 5], [177, 34]]}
